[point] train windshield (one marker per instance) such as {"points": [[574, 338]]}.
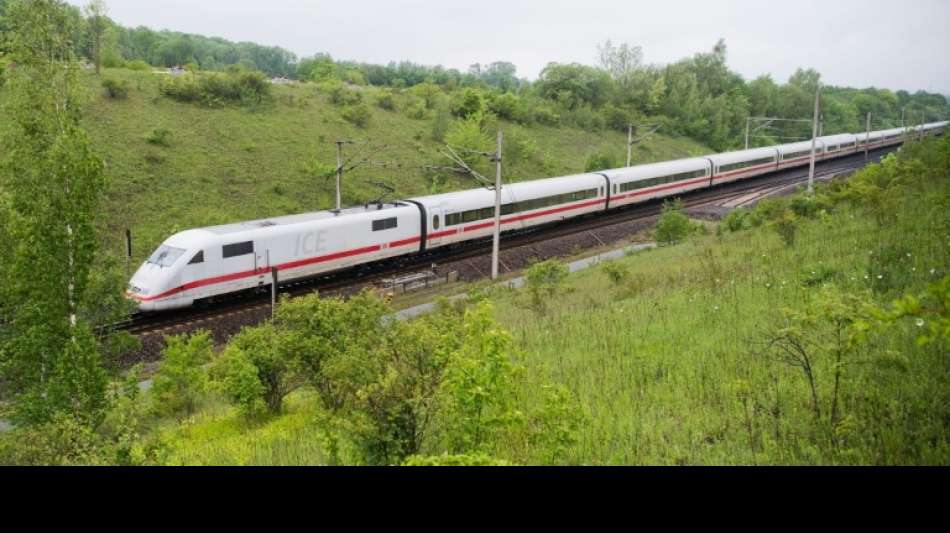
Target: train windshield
{"points": [[166, 256]]}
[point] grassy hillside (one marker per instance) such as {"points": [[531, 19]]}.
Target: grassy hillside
{"points": [[232, 163], [671, 355]]}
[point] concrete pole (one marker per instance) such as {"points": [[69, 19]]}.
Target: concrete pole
{"points": [[339, 173], [867, 139], [747, 121], [629, 144], [814, 142], [496, 241]]}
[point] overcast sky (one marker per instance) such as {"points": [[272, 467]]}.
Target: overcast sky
{"points": [[859, 43]]}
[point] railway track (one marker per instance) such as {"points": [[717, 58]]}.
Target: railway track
{"points": [[741, 193]]}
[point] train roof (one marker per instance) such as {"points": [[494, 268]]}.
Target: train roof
{"points": [[507, 189], [743, 155], [237, 227], [663, 168]]}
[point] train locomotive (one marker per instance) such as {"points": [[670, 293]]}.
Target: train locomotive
{"points": [[202, 264]]}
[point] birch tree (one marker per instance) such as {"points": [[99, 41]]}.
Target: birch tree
{"points": [[53, 183]]}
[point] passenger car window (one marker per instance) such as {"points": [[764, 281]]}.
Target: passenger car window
{"points": [[384, 224], [237, 249]]}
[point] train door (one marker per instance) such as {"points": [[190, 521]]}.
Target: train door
{"points": [[436, 226]]}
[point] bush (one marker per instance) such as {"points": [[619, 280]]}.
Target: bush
{"points": [[616, 273], [787, 227], [673, 226], [159, 137], [64, 441], [386, 101], [116, 89], [257, 370], [341, 94], [544, 281], [181, 378], [468, 137], [737, 220], [138, 65], [235, 86], [467, 103], [600, 161], [359, 115], [617, 119]]}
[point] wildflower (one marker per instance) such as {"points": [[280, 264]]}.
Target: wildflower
{"points": [[880, 276], [933, 271], [920, 322]]}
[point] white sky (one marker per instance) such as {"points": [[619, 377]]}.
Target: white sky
{"points": [[881, 43]]}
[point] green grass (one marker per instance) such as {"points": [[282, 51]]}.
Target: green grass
{"points": [[662, 373], [221, 436], [231, 163]]}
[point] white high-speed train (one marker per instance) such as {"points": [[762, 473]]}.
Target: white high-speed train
{"points": [[201, 264]]}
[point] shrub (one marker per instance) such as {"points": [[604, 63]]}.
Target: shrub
{"points": [[359, 115], [468, 136], [737, 220], [600, 161], [544, 281], [616, 119], [509, 107], [64, 441], [116, 89], [181, 378], [386, 101], [236, 86], [472, 459], [137, 65], [616, 273], [467, 103], [159, 137], [673, 226], [257, 370], [341, 94], [787, 227]]}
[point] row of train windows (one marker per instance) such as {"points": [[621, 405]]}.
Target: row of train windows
{"points": [[472, 215], [746, 164], [796, 155], [652, 182], [385, 223]]}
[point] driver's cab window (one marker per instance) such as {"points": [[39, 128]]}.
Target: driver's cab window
{"points": [[198, 258]]}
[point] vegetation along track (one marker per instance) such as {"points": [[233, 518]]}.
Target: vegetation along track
{"points": [[227, 316]]}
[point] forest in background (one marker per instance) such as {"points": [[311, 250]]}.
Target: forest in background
{"points": [[699, 97]]}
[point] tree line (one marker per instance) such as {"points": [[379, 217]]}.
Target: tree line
{"points": [[700, 96]]}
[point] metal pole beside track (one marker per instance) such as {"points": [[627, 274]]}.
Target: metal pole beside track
{"points": [[814, 142], [747, 122], [339, 172], [867, 138], [629, 144], [496, 241]]}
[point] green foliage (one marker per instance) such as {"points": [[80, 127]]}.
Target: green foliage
{"points": [[62, 441], [236, 86], [787, 227], [181, 378], [440, 124], [673, 226], [159, 137], [342, 94], [257, 371], [467, 104], [359, 115], [616, 273], [53, 181], [475, 459], [468, 137], [386, 101], [544, 281], [116, 89], [138, 65], [737, 220], [600, 161]]}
